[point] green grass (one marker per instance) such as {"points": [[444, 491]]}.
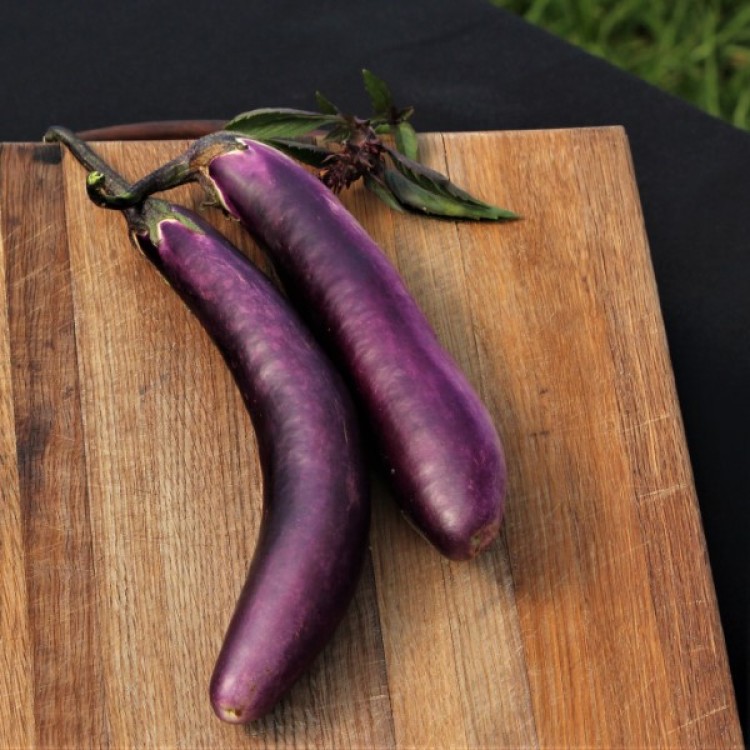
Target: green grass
{"points": [[698, 50]]}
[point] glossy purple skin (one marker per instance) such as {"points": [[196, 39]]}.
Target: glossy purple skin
{"points": [[315, 523], [439, 443]]}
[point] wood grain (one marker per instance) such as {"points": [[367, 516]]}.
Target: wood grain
{"points": [[16, 681], [130, 483], [63, 633]]}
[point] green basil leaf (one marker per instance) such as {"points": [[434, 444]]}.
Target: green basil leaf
{"points": [[380, 94], [325, 105], [404, 114], [406, 140], [435, 184], [307, 153], [279, 123], [436, 202], [374, 185], [339, 133]]}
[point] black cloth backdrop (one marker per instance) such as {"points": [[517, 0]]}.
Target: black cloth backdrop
{"points": [[464, 66]]}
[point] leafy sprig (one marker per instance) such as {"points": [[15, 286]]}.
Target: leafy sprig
{"points": [[345, 148]]}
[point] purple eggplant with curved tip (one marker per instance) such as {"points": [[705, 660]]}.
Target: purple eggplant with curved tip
{"points": [[313, 533], [316, 504], [438, 441], [439, 444]]}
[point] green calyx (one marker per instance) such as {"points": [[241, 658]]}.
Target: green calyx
{"points": [[156, 212]]}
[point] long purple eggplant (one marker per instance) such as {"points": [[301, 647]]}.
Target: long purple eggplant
{"points": [[438, 442], [313, 533]]}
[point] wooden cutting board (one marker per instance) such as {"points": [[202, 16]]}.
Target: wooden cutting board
{"points": [[131, 488]]}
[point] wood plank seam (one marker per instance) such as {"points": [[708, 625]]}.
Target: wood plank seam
{"points": [[485, 390], [84, 427], [35, 387], [20, 723]]}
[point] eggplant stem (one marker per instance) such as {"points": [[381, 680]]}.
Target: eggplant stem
{"points": [[86, 156], [179, 171], [108, 189], [103, 178], [102, 175], [170, 175]]}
